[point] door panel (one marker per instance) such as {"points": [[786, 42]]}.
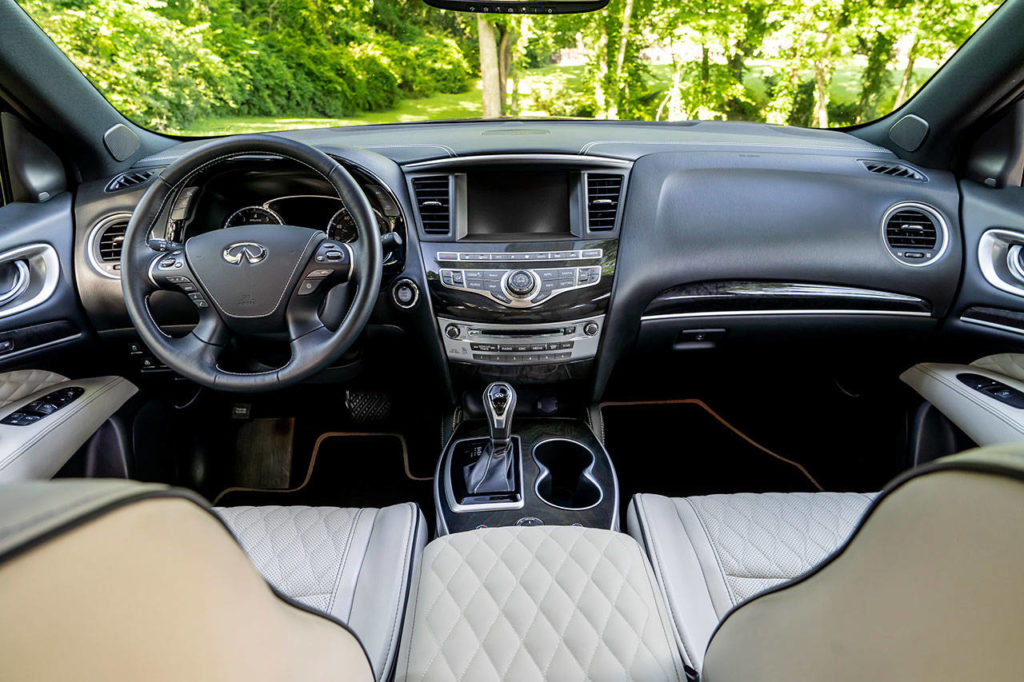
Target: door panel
{"points": [[39, 313]]}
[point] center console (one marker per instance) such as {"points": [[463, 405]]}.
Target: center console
{"points": [[520, 255], [501, 471]]}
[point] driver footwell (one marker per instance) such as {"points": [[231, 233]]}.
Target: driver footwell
{"points": [[346, 470]]}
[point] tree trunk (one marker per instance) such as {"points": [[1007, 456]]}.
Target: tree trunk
{"points": [[822, 80], [504, 66], [620, 59], [489, 71], [908, 73]]}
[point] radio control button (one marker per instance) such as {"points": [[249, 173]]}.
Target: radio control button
{"points": [[452, 331]]}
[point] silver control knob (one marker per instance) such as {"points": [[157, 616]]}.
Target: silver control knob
{"points": [[452, 331], [521, 283], [590, 328]]}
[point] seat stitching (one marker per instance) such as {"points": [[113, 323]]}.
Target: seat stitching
{"points": [[657, 612], [406, 567], [714, 552], [344, 561], [644, 521]]}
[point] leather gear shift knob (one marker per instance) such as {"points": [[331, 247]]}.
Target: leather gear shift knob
{"points": [[500, 406]]}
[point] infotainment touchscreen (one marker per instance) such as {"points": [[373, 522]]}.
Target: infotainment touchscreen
{"points": [[517, 203]]}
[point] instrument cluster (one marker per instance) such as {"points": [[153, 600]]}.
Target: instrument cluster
{"points": [[306, 210]]}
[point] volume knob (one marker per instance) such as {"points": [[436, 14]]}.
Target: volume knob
{"points": [[520, 283]]}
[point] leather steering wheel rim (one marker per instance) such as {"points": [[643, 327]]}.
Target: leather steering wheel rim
{"points": [[313, 344]]}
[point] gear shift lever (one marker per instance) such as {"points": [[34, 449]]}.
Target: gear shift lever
{"points": [[500, 404], [494, 471]]}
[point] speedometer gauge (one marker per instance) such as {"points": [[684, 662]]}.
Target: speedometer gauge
{"points": [[342, 227], [253, 215]]}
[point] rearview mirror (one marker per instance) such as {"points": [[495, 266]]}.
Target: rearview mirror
{"points": [[521, 7]]}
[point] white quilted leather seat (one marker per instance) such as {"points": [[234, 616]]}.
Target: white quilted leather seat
{"points": [[536, 604], [352, 564], [710, 553]]}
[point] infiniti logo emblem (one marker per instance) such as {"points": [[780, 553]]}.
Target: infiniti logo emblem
{"points": [[250, 251]]}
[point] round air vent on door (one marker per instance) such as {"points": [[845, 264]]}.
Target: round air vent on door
{"points": [[106, 239], [915, 234]]}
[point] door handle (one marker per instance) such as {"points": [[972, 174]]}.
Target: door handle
{"points": [[22, 278]]}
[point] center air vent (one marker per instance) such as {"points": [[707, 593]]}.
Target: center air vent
{"points": [[433, 199], [893, 169], [106, 240], [915, 234], [603, 194]]}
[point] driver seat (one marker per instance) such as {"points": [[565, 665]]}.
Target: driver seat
{"points": [[159, 589]]}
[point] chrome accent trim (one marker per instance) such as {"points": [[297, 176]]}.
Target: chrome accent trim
{"points": [[456, 161], [588, 473], [995, 249], [803, 311], [41, 346], [489, 506], [43, 265], [993, 325], [21, 283], [415, 293], [939, 220], [797, 290], [351, 259], [92, 242]]}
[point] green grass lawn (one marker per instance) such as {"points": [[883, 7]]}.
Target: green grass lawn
{"points": [[542, 83], [462, 105]]}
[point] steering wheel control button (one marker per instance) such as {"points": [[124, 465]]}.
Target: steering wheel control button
{"points": [[308, 286], [320, 274]]}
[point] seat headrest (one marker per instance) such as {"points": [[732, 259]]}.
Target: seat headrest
{"points": [[111, 580], [929, 587]]}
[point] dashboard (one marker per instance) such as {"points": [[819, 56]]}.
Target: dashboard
{"points": [[545, 252]]}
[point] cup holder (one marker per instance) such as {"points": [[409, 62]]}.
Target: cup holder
{"points": [[565, 480]]}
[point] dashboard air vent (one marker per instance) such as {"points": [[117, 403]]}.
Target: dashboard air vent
{"points": [[433, 198], [603, 194], [111, 241], [130, 179], [896, 170], [106, 239], [915, 234]]}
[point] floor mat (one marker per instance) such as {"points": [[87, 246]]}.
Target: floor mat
{"points": [[263, 453], [682, 448], [347, 470]]}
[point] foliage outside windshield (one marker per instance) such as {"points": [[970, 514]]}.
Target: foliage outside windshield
{"points": [[206, 67]]}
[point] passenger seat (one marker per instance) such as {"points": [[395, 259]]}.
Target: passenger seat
{"points": [[710, 553]]}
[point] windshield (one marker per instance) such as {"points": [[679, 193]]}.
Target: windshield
{"points": [[210, 67]]}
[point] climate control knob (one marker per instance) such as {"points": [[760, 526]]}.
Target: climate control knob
{"points": [[521, 283]]}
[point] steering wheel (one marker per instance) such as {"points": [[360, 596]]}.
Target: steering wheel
{"points": [[253, 281]]}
